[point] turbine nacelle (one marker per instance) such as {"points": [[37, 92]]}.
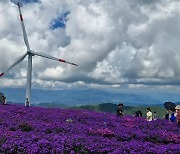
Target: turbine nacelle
{"points": [[1, 74]]}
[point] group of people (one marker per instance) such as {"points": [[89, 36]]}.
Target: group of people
{"points": [[151, 116], [173, 116], [138, 113]]}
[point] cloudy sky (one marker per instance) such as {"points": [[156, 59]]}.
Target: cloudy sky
{"points": [[133, 44]]}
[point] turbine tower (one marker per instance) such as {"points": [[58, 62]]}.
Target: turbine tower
{"points": [[30, 53]]}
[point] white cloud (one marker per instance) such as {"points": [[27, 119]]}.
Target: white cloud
{"points": [[114, 42]]}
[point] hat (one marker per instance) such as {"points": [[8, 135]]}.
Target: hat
{"points": [[177, 107]]}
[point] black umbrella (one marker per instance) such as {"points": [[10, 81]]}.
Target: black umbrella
{"points": [[170, 106]]}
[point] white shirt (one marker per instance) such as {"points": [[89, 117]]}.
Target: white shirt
{"points": [[149, 116]]}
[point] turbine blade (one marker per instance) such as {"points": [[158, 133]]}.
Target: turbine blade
{"points": [[23, 28], [13, 65], [51, 57]]}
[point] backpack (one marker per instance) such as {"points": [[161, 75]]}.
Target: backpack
{"points": [[172, 119]]}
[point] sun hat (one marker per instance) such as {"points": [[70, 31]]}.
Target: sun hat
{"points": [[177, 107]]}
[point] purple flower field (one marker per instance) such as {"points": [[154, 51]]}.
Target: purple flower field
{"points": [[42, 130]]}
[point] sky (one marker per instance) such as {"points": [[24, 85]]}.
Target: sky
{"points": [[118, 44]]}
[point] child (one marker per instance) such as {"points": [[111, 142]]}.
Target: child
{"points": [[154, 115]]}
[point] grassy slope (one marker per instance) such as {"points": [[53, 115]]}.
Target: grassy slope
{"points": [[109, 107], [130, 110]]}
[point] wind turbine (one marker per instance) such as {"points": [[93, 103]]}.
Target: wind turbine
{"points": [[30, 53]]}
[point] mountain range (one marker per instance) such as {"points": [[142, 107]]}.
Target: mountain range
{"points": [[72, 97]]}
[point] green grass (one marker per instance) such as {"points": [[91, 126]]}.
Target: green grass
{"points": [[128, 110]]}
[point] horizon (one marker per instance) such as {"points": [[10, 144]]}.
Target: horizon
{"points": [[89, 96]]}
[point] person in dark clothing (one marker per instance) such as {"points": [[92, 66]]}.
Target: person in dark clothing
{"points": [[138, 113], [167, 115], [4, 100], [120, 110]]}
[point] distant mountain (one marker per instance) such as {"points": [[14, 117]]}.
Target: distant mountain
{"points": [[87, 97], [78, 96], [177, 103]]}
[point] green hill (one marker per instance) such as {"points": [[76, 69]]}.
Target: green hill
{"points": [[128, 110], [52, 105]]}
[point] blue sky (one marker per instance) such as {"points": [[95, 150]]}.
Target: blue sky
{"points": [[60, 22], [25, 1]]}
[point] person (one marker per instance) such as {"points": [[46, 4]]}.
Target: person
{"points": [[120, 110], [149, 115], [167, 115], [175, 115], [4, 100], [170, 113], [154, 115], [27, 102], [138, 113], [172, 117], [177, 108]]}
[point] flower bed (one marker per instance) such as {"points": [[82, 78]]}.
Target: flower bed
{"points": [[42, 130]]}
